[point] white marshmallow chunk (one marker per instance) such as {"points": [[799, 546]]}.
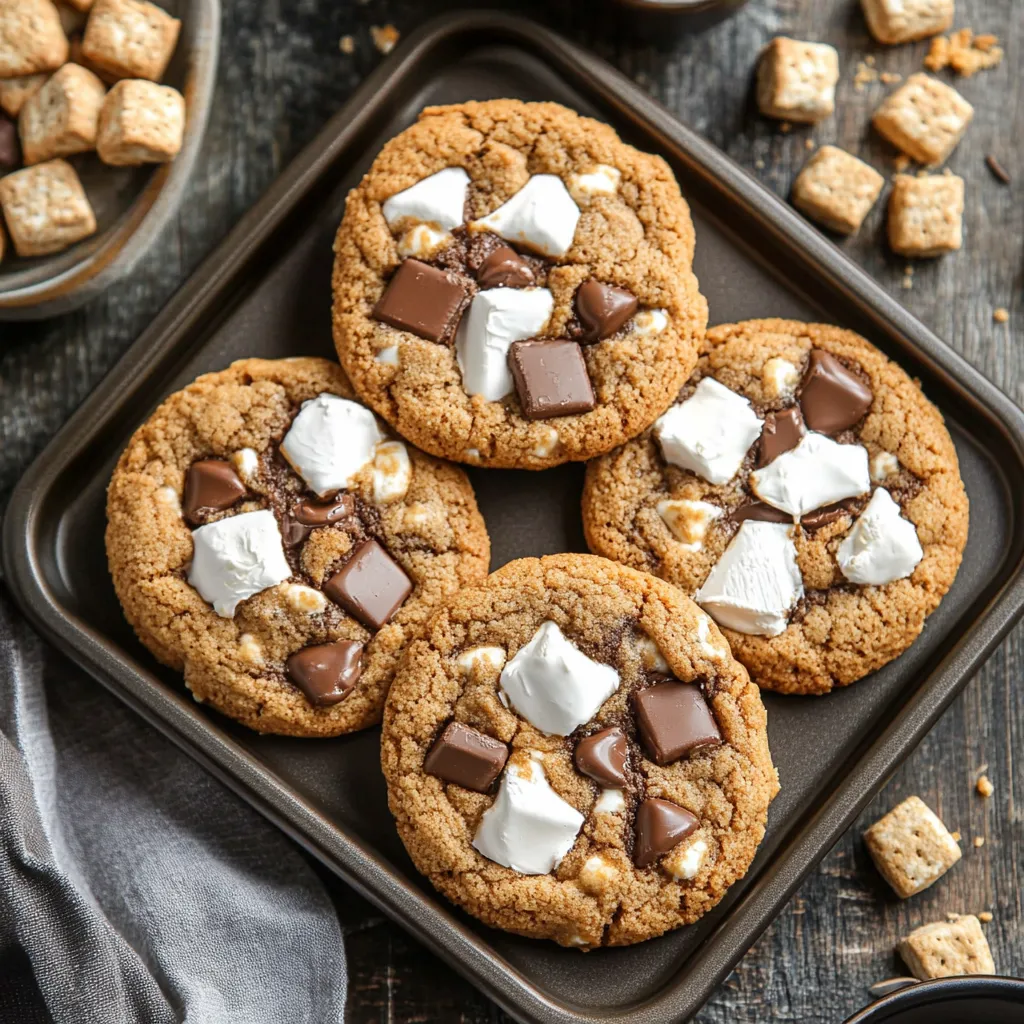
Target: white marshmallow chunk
{"points": [[330, 441], [650, 654], [688, 521], [684, 862], [611, 801], [529, 827], [422, 240], [246, 463], [817, 472], [496, 318], [469, 660], [881, 546], [392, 472], [650, 321], [237, 557], [388, 356], [779, 378], [602, 180], [541, 216], [554, 685], [883, 466], [439, 200], [709, 433], [755, 584]]}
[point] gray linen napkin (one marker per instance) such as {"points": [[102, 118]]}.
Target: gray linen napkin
{"points": [[134, 887]]}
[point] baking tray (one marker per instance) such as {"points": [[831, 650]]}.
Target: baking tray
{"points": [[265, 292]]}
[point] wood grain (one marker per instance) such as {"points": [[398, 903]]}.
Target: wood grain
{"points": [[282, 75]]}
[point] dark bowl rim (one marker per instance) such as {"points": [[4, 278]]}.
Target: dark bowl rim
{"points": [[680, 6], [927, 993]]}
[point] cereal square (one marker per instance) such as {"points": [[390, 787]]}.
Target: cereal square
{"points": [[911, 847], [31, 38], [926, 214], [925, 118], [141, 122], [796, 81], [45, 208], [130, 38], [62, 118], [15, 91], [836, 189], [947, 948], [902, 21]]}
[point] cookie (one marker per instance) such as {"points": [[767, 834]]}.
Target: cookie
{"points": [[269, 541], [513, 285], [785, 422], [572, 753]]}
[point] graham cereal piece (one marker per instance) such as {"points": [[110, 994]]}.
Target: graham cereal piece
{"points": [[130, 38], [141, 122], [796, 81], [926, 214], [15, 91], [836, 189], [924, 118], [901, 21], [944, 949], [910, 847], [62, 117], [31, 38], [46, 208]]}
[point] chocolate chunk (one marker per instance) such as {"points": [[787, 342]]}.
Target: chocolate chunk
{"points": [[308, 514], [326, 673], [675, 720], [761, 512], [466, 757], [660, 827], [826, 514], [832, 398], [212, 485], [603, 757], [505, 268], [781, 433], [551, 378], [422, 300], [370, 586], [10, 151], [602, 309]]}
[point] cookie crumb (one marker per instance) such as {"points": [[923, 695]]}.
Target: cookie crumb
{"points": [[890, 77], [985, 916], [979, 842], [759, 164], [951, 916], [956, 835], [964, 52], [984, 784], [901, 163], [997, 169], [869, 60], [347, 44], [809, 144], [384, 37], [1001, 316], [785, 127], [864, 75]]}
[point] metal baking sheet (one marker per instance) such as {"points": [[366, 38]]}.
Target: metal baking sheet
{"points": [[266, 292]]}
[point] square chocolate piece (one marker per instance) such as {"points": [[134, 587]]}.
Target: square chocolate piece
{"points": [[675, 720], [370, 586], [422, 300], [467, 757], [551, 378]]}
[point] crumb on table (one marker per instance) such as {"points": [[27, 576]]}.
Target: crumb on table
{"points": [[1001, 316], [964, 52], [384, 37]]}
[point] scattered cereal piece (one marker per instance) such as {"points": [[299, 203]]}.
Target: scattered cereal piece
{"points": [[796, 81], [15, 91], [836, 189], [864, 76], [384, 37], [926, 215], [985, 916], [890, 77], [995, 167], [944, 949], [809, 144], [911, 847], [902, 21], [130, 38], [956, 835], [31, 38], [1001, 316], [140, 123], [979, 842], [964, 52], [45, 208], [924, 118], [870, 60], [61, 118], [347, 44], [785, 127]]}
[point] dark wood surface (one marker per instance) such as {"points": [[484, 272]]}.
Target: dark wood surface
{"points": [[282, 74]]}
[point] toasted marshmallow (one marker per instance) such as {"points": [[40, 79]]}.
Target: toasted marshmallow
{"points": [[541, 217], [330, 441], [422, 241], [602, 180], [710, 433], [688, 520], [237, 557], [817, 472], [883, 466], [755, 584], [496, 318], [554, 685], [468, 661], [439, 200], [650, 654], [650, 321], [683, 863], [780, 378], [246, 463], [881, 546], [392, 472], [529, 827]]}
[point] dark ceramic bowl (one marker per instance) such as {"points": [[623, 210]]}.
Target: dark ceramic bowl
{"points": [[132, 204], [663, 21], [973, 1000]]}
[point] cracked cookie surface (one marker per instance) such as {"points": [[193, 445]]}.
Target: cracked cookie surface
{"points": [[429, 525], [650, 634]]}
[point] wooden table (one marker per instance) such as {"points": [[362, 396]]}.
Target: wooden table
{"points": [[282, 74]]}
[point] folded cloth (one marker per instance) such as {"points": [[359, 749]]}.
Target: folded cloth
{"points": [[134, 887]]}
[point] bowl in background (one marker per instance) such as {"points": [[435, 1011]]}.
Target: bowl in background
{"points": [[964, 1000]]}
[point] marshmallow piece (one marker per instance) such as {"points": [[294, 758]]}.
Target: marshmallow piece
{"points": [[688, 520], [541, 217], [883, 466], [708, 649], [779, 377], [755, 584], [684, 862], [817, 472], [611, 801], [710, 433], [392, 472], [602, 180], [554, 685], [235, 558], [246, 463], [650, 655], [388, 356], [330, 441], [529, 827], [496, 318], [881, 546], [301, 598], [422, 241], [650, 321], [439, 201], [469, 660]]}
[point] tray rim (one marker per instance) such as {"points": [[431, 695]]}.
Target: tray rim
{"points": [[345, 853]]}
